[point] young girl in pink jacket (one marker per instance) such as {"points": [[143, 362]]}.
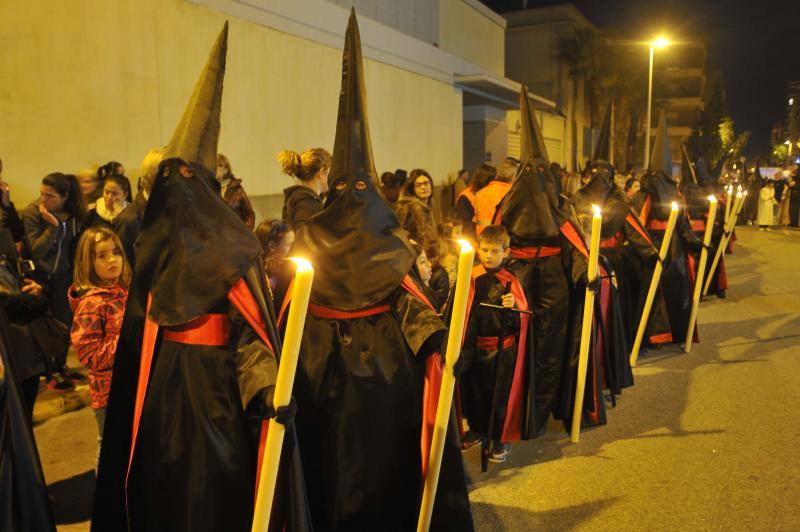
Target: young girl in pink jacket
{"points": [[97, 296]]}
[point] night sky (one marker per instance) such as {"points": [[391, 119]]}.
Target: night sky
{"points": [[755, 43]]}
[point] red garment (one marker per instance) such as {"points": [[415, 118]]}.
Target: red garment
{"points": [[95, 330]]}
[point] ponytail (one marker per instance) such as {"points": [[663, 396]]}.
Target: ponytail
{"points": [[306, 165]]}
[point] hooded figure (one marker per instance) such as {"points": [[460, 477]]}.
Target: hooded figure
{"points": [[659, 190], [630, 254], [196, 361], [368, 371], [549, 257], [24, 503], [697, 185]]}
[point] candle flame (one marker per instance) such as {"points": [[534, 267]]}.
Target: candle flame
{"points": [[465, 246], [303, 265], [674, 205], [712, 199], [739, 194], [596, 210]]}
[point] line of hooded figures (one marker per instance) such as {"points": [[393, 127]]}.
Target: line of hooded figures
{"points": [[347, 402]]}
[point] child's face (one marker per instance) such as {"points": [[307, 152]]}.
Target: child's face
{"points": [[107, 261], [424, 267], [491, 254]]}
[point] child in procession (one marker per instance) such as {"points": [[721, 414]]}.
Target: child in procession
{"points": [[493, 379]]}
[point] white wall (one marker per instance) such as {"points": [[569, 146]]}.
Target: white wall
{"points": [[88, 81]]}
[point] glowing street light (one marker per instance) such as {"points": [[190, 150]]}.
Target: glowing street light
{"points": [[660, 42]]}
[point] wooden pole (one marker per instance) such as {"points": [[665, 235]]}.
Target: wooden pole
{"points": [[651, 294], [455, 335], [301, 291], [701, 268], [586, 332]]}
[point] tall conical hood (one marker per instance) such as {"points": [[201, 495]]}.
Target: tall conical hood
{"points": [[352, 147], [717, 172], [661, 160], [356, 244], [603, 149], [529, 210], [192, 247], [688, 171], [531, 140], [195, 138]]}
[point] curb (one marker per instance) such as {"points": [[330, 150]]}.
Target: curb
{"points": [[53, 406]]}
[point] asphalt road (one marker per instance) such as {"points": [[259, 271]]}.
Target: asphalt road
{"points": [[704, 441]]}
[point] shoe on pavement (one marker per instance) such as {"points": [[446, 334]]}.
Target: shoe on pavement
{"points": [[74, 376], [59, 384], [500, 452], [471, 439]]}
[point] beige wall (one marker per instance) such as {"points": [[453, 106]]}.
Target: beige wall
{"points": [[73, 92], [468, 33]]}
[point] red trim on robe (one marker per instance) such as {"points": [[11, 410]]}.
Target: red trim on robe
{"points": [[512, 427], [534, 252], [571, 234], [319, 311], [633, 222], [645, 214], [211, 329], [662, 338]]}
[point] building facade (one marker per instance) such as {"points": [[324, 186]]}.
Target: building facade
{"points": [[72, 95]]}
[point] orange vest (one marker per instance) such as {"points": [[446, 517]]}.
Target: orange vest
{"points": [[486, 201]]}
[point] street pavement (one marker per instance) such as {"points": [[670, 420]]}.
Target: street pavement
{"points": [[703, 441]]}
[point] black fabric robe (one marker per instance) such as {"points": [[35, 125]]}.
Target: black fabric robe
{"points": [[488, 371], [24, 503], [359, 387]]}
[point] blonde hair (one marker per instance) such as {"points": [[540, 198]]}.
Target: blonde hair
{"points": [[225, 161], [304, 166], [90, 172], [150, 168], [84, 276]]}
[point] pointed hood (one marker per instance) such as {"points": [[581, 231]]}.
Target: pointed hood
{"points": [[195, 138], [529, 211], [192, 247], [602, 150], [356, 244], [531, 140], [661, 159], [717, 172]]}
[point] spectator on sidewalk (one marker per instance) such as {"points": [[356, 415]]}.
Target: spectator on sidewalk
{"points": [[98, 296], [304, 199], [486, 199], [466, 201], [233, 192], [52, 225], [114, 211], [766, 206]]}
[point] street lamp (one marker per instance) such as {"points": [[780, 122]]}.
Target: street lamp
{"points": [[659, 42]]}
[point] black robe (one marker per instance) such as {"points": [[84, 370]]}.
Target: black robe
{"points": [[676, 278], [193, 466], [360, 386], [24, 504], [489, 368]]}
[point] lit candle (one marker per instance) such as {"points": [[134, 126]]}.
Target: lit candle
{"points": [[301, 291], [455, 335], [586, 332], [726, 236], [701, 269], [651, 294], [728, 194]]}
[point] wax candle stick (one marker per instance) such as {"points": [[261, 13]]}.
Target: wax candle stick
{"points": [[651, 294], [729, 194], [455, 335], [586, 331], [726, 236], [301, 291], [701, 268]]}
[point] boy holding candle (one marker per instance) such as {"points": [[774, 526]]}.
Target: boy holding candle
{"points": [[493, 381]]}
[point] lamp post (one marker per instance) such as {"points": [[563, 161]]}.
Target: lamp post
{"points": [[660, 42]]}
